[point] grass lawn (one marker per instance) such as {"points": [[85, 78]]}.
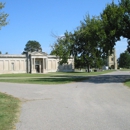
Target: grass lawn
{"points": [[124, 69], [44, 80], [49, 78], [127, 83], [9, 110], [56, 74]]}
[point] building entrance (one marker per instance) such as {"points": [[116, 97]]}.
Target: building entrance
{"points": [[37, 68]]}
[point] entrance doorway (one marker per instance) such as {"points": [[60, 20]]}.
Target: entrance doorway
{"points": [[37, 68], [112, 66]]}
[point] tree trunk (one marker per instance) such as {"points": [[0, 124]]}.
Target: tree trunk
{"points": [[88, 68]]}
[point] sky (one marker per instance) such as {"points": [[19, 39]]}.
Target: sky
{"points": [[39, 19]]}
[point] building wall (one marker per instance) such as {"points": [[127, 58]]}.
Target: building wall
{"points": [[12, 65], [27, 63], [112, 61], [54, 66]]}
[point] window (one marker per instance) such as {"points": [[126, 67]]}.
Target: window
{"points": [[37, 62], [12, 66], [111, 59]]}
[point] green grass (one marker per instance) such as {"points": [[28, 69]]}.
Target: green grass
{"points": [[49, 78], [124, 69], [44, 80], [9, 110], [127, 83], [56, 73]]}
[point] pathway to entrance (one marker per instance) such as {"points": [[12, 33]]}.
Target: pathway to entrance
{"points": [[100, 103]]}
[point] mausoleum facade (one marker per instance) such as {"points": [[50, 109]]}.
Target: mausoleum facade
{"points": [[35, 62], [112, 61]]}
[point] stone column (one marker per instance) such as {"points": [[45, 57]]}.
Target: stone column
{"points": [[39, 68], [43, 65], [34, 64], [9, 65], [15, 65], [31, 66], [3, 64], [46, 64]]}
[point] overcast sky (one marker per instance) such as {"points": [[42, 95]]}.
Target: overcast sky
{"points": [[38, 19]]}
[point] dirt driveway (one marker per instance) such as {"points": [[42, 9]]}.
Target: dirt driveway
{"points": [[100, 103]]}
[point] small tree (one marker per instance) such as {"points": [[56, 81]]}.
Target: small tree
{"points": [[62, 48], [32, 46], [0, 52]]}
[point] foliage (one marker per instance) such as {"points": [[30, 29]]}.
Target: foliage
{"points": [[125, 22], [124, 60], [32, 46], [87, 42], [62, 48], [3, 16], [93, 41], [0, 52], [112, 23]]}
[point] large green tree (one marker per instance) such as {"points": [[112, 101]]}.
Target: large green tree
{"points": [[125, 5], [87, 42], [32, 46], [124, 60], [125, 18], [3, 16], [112, 25], [96, 37], [116, 23]]}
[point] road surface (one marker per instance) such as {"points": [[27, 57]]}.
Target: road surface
{"points": [[100, 103]]}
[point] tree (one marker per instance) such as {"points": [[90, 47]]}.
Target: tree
{"points": [[32, 46], [116, 19], [6, 52], [96, 37], [112, 25], [87, 42], [0, 52], [125, 5], [124, 60], [62, 48], [125, 22], [3, 16]]}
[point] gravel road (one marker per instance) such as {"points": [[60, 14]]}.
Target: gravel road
{"points": [[100, 103]]}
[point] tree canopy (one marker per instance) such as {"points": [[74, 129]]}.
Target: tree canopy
{"points": [[32, 46], [3, 16], [124, 60], [62, 48], [96, 36]]}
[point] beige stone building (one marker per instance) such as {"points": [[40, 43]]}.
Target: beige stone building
{"points": [[35, 62], [112, 61]]}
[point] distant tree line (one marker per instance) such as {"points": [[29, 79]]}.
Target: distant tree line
{"points": [[95, 38]]}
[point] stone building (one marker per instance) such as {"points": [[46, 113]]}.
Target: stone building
{"points": [[112, 61], [35, 62]]}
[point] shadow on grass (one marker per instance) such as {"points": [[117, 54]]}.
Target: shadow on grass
{"points": [[44, 80]]}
